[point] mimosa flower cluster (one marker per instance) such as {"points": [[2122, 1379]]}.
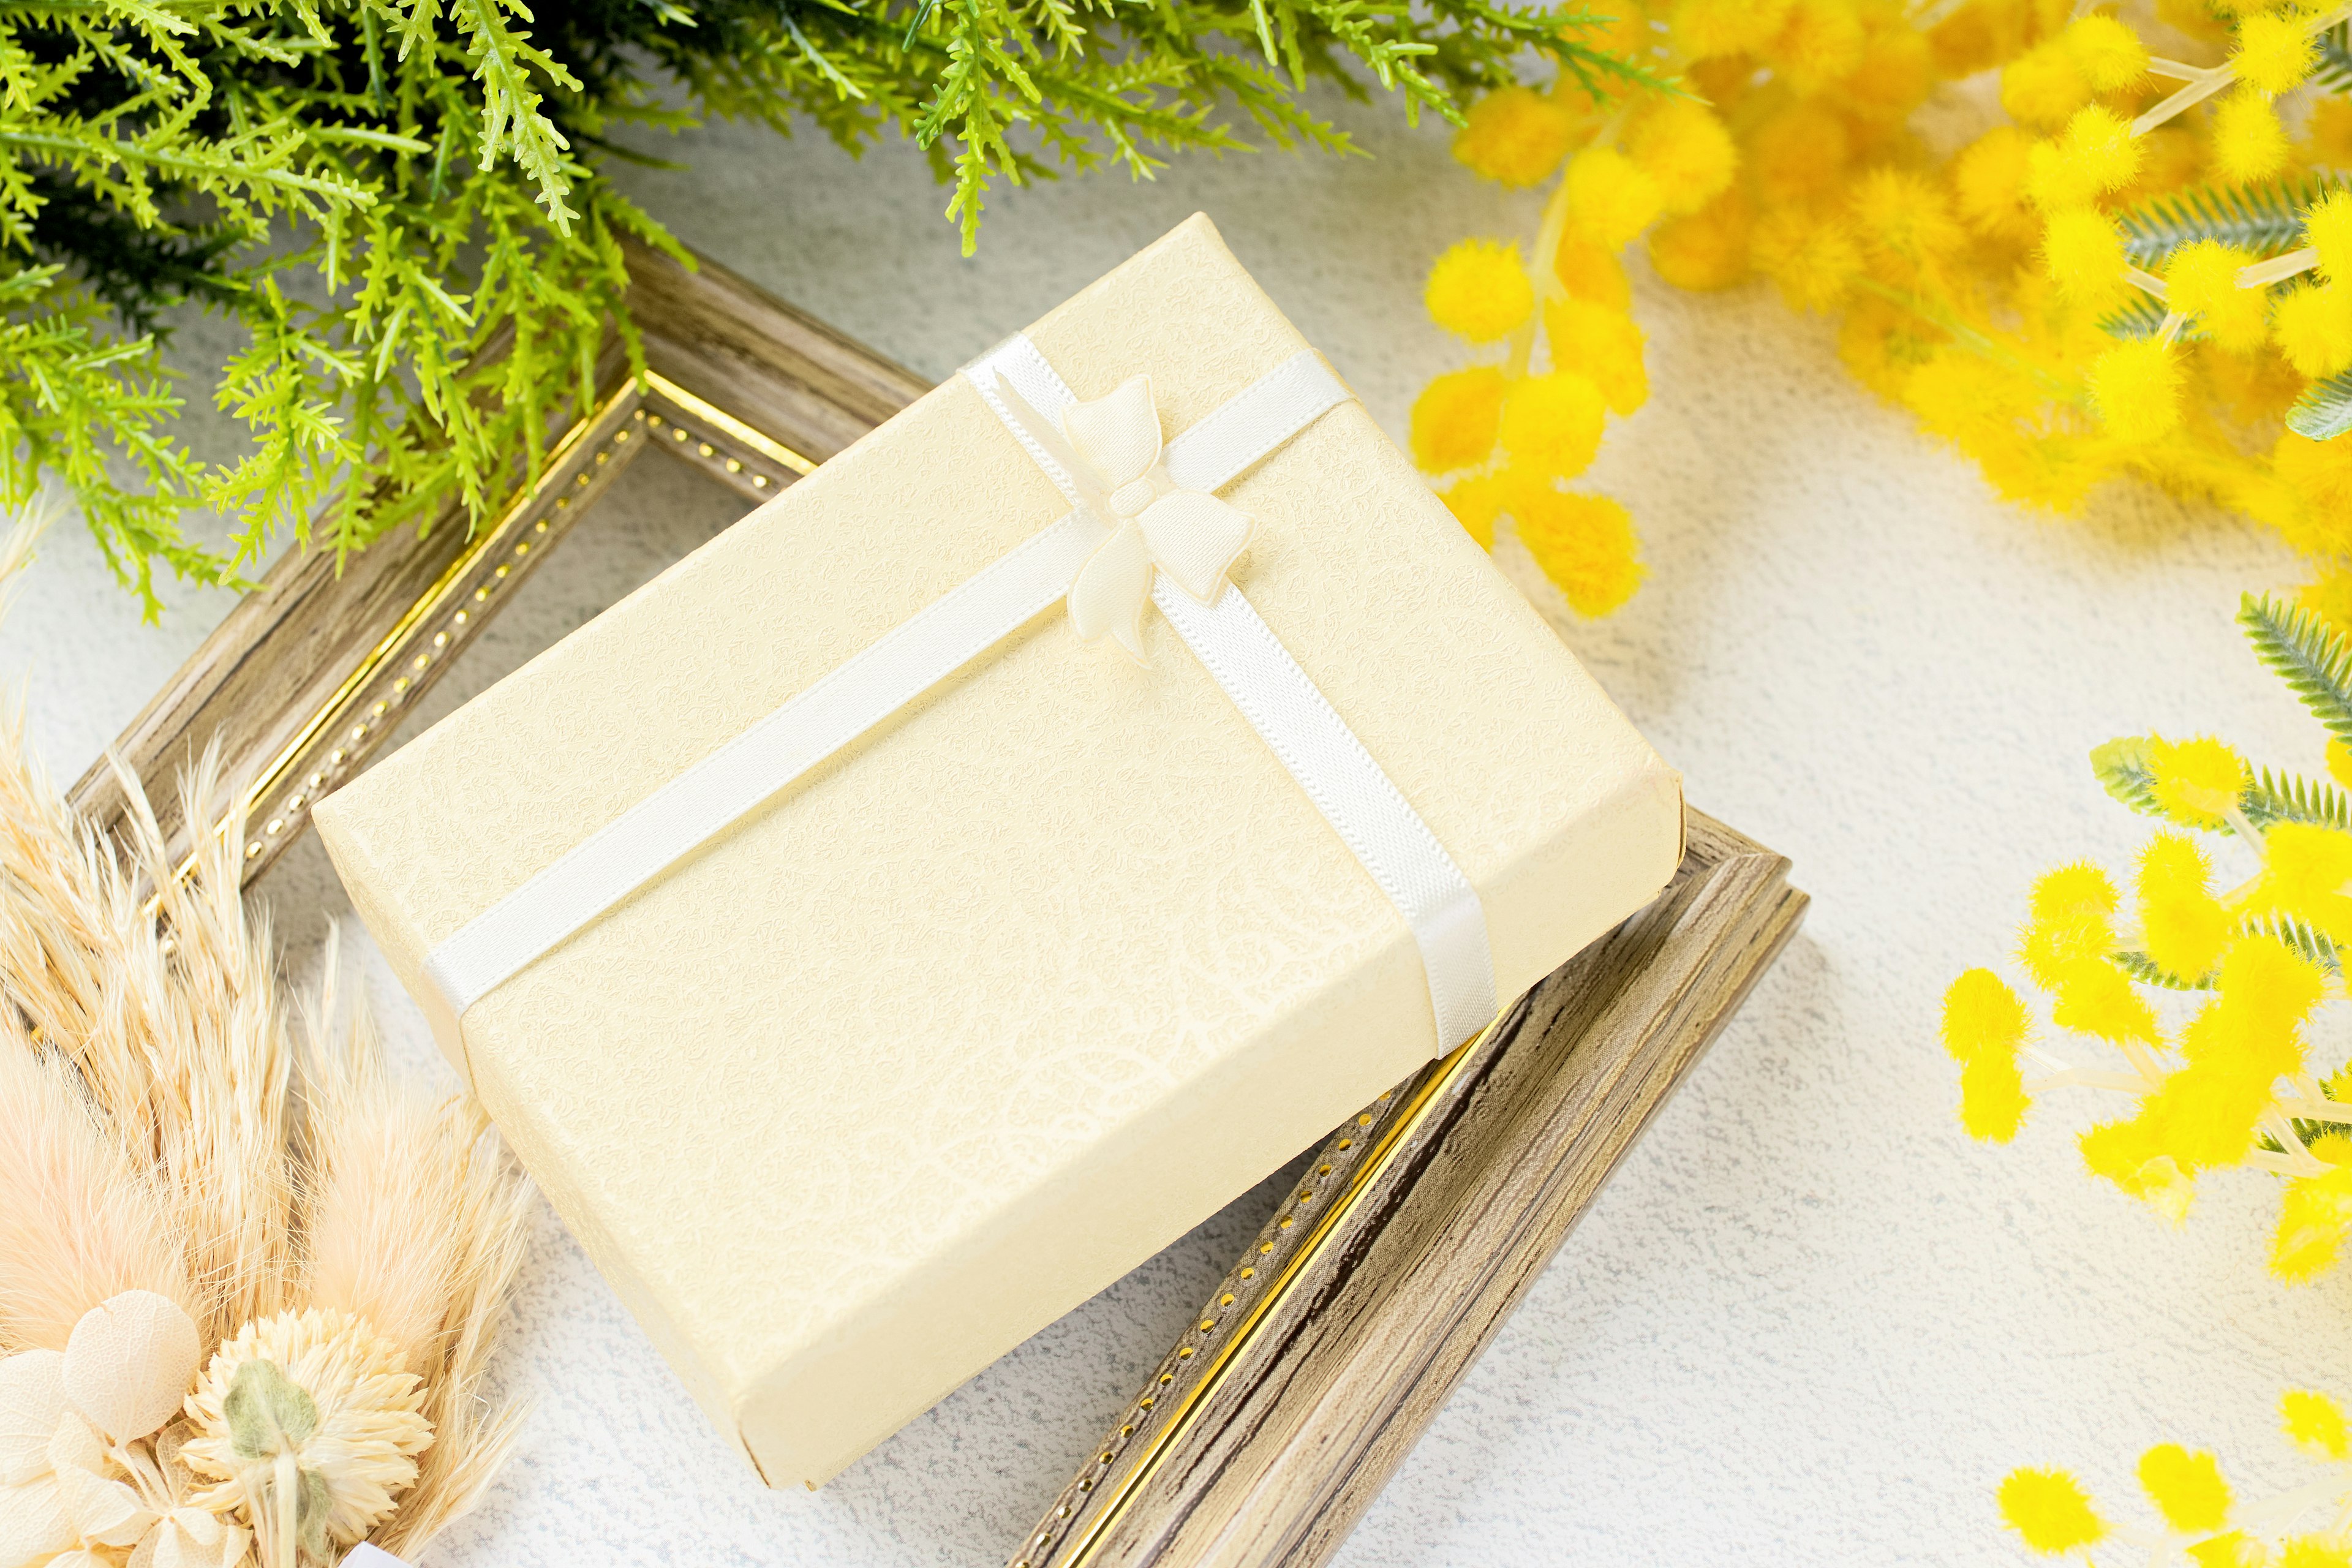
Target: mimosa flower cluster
{"points": [[1508, 435], [2138, 264], [2190, 987], [2118, 244], [2240, 911], [2200, 1520]]}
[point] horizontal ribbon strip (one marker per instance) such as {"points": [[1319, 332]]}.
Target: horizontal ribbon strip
{"points": [[1397, 849], [709, 797]]}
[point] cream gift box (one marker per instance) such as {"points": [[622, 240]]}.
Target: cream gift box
{"points": [[983, 1011]]}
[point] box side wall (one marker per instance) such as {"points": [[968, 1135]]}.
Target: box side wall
{"points": [[1132, 1194], [1632, 842], [701, 1377], [353, 856], [821, 1411]]}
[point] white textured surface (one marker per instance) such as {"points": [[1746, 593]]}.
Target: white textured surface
{"points": [[1809, 1321]]}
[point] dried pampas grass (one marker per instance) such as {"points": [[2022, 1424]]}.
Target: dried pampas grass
{"points": [[81, 1222], [168, 1127], [416, 1227]]}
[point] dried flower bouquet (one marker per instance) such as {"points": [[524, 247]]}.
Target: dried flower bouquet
{"points": [[248, 1281]]}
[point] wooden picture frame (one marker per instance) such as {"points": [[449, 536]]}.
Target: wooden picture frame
{"points": [[1301, 1383]]}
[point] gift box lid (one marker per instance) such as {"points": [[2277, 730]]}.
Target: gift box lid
{"points": [[956, 1029]]}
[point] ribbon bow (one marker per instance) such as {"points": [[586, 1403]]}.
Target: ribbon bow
{"points": [[1110, 449]]}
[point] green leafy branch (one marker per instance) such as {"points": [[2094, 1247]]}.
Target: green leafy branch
{"points": [[2315, 661], [2262, 220], [2306, 652], [2324, 412], [402, 203]]}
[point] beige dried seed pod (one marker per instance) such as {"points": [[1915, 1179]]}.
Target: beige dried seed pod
{"points": [[32, 1402], [130, 1361]]}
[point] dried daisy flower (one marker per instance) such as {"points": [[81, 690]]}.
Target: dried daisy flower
{"points": [[310, 1422], [415, 1224]]}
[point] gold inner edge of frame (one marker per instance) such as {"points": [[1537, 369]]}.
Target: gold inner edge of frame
{"points": [[775, 451], [1376, 1160], [330, 711], [526, 502]]}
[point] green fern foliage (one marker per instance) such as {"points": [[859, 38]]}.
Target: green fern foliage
{"points": [[2146, 970], [2303, 937], [2306, 652], [2143, 316], [2122, 770], [2261, 219], [2265, 799], [402, 206], [2299, 936], [2315, 661], [2334, 72], [2273, 798], [2325, 410]]}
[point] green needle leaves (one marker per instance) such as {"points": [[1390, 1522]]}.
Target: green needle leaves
{"points": [[399, 202]]}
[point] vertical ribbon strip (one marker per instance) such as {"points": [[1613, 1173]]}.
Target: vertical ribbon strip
{"points": [[1363, 806], [1285, 708]]}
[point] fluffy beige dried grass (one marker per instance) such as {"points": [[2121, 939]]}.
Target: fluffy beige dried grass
{"points": [[169, 1134], [81, 1222], [180, 1039], [388, 1172]]}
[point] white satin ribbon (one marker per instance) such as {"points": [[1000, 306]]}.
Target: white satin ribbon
{"points": [[1359, 800], [1110, 451], [1089, 457]]}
